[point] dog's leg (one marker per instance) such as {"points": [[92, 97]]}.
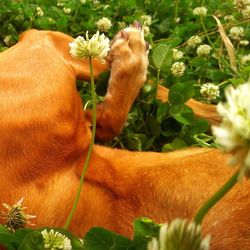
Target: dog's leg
{"points": [[128, 57]]}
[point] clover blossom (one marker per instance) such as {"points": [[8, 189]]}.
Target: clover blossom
{"points": [[244, 42], [180, 234], [233, 134], [200, 11], [54, 241], [242, 6], [236, 33], [203, 50], [178, 69], [146, 20], [177, 54], [210, 91], [97, 46], [39, 11], [104, 24], [15, 217], [245, 59], [67, 10], [193, 41]]}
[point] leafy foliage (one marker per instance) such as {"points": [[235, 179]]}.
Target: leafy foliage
{"points": [[152, 124]]}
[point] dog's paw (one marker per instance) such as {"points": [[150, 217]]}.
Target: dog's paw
{"points": [[129, 52]]}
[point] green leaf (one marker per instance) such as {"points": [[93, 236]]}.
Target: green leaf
{"points": [[162, 56], [185, 116], [144, 230], [180, 92], [153, 125], [102, 239], [199, 126], [162, 111], [175, 144]]}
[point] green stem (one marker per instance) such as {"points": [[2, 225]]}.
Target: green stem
{"points": [[157, 82], [215, 198], [86, 164]]}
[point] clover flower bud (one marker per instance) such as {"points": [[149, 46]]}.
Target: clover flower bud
{"points": [[245, 59], [53, 240], [177, 54], [244, 42], [200, 11], [104, 24], [178, 69], [203, 50], [39, 11], [193, 41], [67, 10], [236, 33], [146, 20]]}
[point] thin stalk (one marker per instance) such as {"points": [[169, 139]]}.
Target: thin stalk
{"points": [[215, 198], [86, 164]]}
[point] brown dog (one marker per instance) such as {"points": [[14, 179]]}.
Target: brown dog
{"points": [[44, 136]]}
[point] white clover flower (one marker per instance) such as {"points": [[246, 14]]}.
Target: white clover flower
{"points": [[242, 6], [210, 91], [53, 240], [60, 4], [104, 24], [177, 54], [233, 134], [83, 1], [200, 11], [97, 46], [245, 59], [39, 11], [178, 233], [177, 19], [236, 33], [146, 20], [229, 18], [67, 10], [193, 41], [178, 68], [146, 30], [14, 217], [203, 50], [244, 42], [51, 20]]}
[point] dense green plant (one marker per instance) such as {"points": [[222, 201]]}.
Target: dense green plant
{"points": [[152, 124]]}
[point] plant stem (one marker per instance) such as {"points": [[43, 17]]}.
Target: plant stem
{"points": [[86, 164], [215, 198]]}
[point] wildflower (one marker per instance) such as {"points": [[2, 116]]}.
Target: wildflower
{"points": [[177, 54], [200, 11], [53, 240], [51, 20], [15, 217], [39, 11], [177, 19], [180, 234], [60, 4], [244, 42], [104, 24], [122, 25], [233, 134], [203, 50], [178, 68], [242, 6], [83, 1], [146, 20], [67, 10], [146, 30], [236, 32], [245, 59], [97, 46], [8, 40], [193, 41], [210, 91], [229, 18]]}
